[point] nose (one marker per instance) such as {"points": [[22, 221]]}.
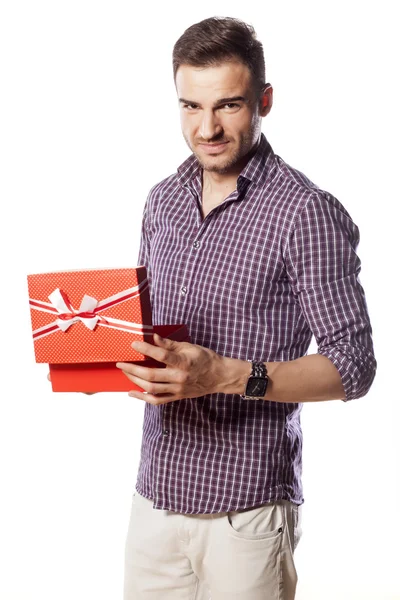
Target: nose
{"points": [[209, 126]]}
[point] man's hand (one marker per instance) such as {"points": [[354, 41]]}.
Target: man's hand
{"points": [[191, 371]]}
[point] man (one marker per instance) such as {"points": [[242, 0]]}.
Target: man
{"points": [[255, 259]]}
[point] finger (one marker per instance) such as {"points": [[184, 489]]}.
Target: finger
{"points": [[166, 342], [161, 354], [147, 373], [150, 398], [48, 376], [152, 387]]}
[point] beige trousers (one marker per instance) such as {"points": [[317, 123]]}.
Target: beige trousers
{"points": [[246, 555]]}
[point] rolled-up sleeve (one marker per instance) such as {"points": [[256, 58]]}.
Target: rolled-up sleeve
{"points": [[323, 269]]}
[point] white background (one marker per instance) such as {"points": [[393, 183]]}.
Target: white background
{"points": [[89, 123]]}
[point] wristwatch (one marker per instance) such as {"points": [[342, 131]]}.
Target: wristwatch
{"points": [[257, 383]]}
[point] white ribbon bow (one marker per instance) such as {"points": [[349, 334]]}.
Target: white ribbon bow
{"points": [[88, 305]]}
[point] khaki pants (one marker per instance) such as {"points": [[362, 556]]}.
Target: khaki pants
{"points": [[246, 555]]}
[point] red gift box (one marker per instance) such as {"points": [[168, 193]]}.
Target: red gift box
{"points": [[82, 345]]}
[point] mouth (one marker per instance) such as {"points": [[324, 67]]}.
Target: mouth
{"points": [[213, 148]]}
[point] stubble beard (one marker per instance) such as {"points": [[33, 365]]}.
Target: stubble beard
{"points": [[217, 165]]}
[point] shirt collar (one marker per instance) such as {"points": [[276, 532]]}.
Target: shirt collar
{"points": [[255, 171]]}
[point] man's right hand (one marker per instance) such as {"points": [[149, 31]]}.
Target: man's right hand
{"points": [[87, 393]]}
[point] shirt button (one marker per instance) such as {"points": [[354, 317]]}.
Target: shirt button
{"points": [[166, 432], [196, 244], [183, 290]]}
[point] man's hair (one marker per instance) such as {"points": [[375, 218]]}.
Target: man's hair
{"points": [[216, 40]]}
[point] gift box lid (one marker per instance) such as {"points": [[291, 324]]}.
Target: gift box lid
{"points": [[90, 315]]}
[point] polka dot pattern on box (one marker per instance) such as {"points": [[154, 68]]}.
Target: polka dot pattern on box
{"points": [[78, 343]]}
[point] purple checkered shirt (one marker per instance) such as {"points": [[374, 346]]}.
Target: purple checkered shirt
{"points": [[270, 266]]}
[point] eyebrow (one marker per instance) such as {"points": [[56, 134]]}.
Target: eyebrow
{"points": [[218, 102]]}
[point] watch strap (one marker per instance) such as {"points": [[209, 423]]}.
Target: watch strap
{"points": [[258, 371]]}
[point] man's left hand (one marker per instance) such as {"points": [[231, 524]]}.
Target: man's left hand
{"points": [[191, 371]]}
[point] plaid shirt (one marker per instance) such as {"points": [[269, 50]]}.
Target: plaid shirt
{"points": [[270, 266]]}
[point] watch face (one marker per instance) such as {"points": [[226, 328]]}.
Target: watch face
{"points": [[256, 386]]}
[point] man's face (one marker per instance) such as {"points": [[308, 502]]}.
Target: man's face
{"points": [[220, 116]]}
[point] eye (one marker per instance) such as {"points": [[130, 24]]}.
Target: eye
{"points": [[231, 106], [190, 106]]}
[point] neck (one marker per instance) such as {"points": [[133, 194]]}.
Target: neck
{"points": [[216, 182]]}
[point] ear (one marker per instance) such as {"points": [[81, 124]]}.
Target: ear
{"points": [[266, 100]]}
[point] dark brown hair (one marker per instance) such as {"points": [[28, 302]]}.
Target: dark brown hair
{"points": [[217, 40]]}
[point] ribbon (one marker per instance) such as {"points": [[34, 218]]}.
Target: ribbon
{"points": [[67, 315], [87, 312]]}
